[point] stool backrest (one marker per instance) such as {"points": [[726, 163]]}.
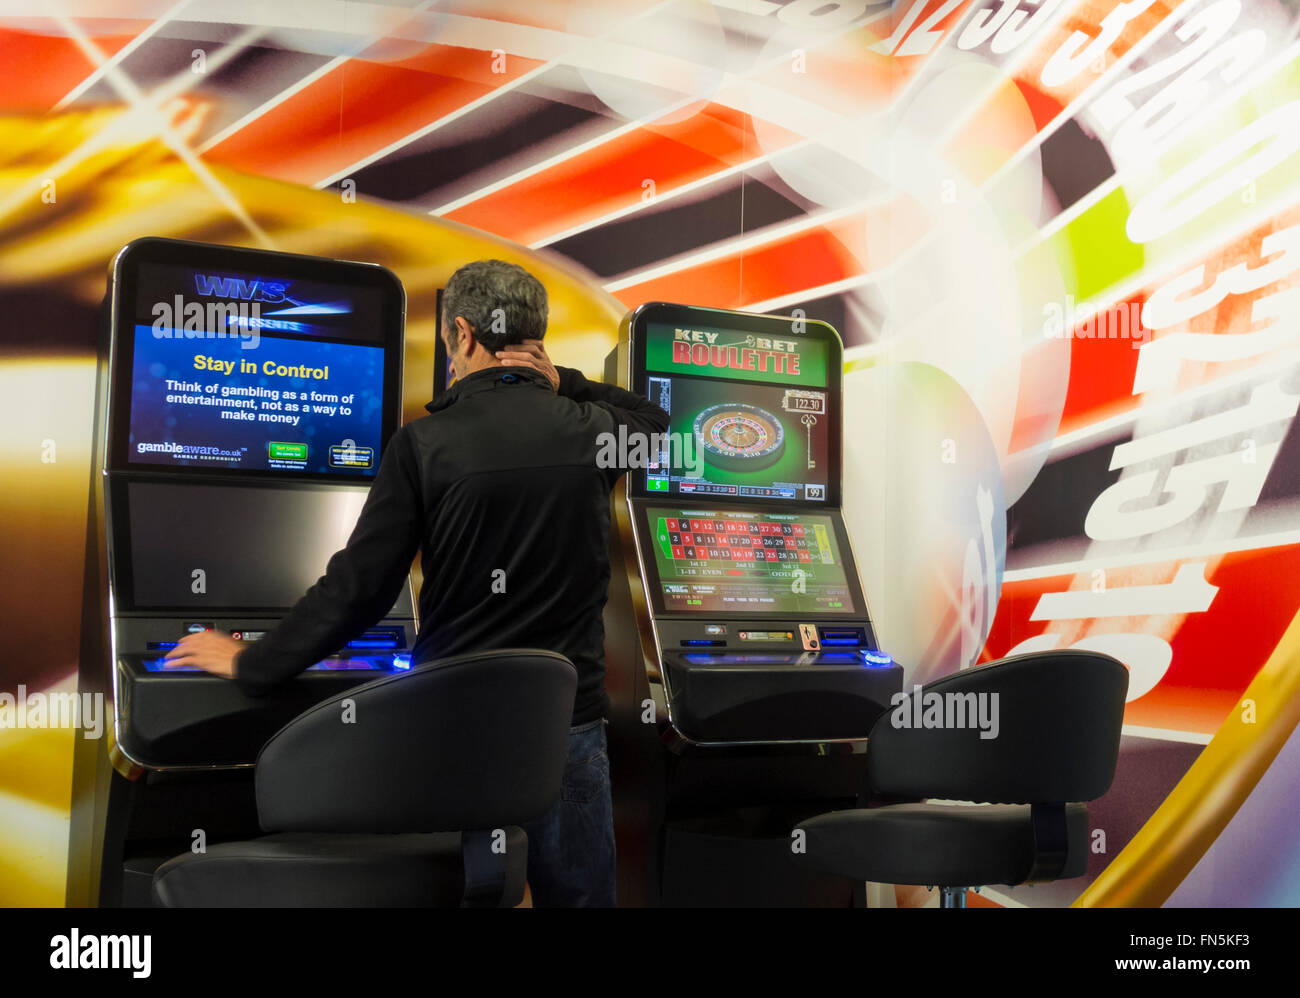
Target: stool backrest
{"points": [[1038, 728], [471, 742]]}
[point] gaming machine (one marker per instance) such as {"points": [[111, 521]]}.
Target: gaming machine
{"points": [[742, 665], [244, 400]]}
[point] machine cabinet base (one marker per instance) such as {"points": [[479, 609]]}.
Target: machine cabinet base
{"points": [[743, 859]]}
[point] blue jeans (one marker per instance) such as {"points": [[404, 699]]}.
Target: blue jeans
{"points": [[571, 847]]}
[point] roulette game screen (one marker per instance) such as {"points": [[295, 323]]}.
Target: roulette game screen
{"points": [[750, 414]]}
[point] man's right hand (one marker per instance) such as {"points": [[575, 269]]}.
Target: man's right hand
{"points": [[531, 353], [212, 651]]}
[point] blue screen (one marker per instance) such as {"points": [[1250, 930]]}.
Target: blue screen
{"points": [[265, 404]]}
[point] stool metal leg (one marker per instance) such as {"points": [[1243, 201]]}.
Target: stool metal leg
{"points": [[952, 897]]}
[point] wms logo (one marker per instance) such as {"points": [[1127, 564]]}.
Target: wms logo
{"points": [[238, 288], [77, 952], [239, 312], [256, 292]]}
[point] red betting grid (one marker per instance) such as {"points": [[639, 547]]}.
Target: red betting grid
{"points": [[737, 541]]}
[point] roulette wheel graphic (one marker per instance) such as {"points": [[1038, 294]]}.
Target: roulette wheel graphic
{"points": [[740, 437]]}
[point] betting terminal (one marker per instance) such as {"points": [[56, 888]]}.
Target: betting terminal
{"points": [[742, 665], [244, 398]]}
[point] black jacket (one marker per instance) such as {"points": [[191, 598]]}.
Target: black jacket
{"points": [[499, 488]]}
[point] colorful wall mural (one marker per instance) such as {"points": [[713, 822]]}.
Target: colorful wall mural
{"points": [[1060, 238]]}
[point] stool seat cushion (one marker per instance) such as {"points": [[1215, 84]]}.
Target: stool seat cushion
{"points": [[946, 845], [293, 870]]}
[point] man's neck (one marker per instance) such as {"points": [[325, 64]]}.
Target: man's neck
{"points": [[486, 364]]}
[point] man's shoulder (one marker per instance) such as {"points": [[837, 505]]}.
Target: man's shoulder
{"points": [[482, 416], [421, 426], [413, 438]]}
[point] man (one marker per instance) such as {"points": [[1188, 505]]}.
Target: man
{"points": [[499, 488]]}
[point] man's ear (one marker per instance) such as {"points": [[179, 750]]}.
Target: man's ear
{"points": [[465, 336]]}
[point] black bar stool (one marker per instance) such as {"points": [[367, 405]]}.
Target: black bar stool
{"points": [[407, 791], [1058, 717]]}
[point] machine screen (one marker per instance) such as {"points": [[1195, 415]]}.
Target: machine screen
{"points": [[750, 415], [249, 372], [719, 561], [258, 548]]}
